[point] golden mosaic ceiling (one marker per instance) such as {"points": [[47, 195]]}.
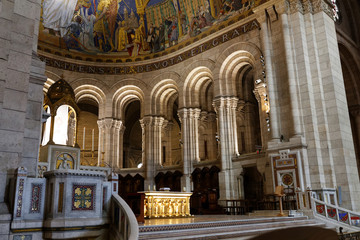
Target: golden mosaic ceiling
{"points": [[132, 30]]}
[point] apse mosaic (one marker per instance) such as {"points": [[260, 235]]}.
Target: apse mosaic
{"points": [[132, 27], [83, 197]]}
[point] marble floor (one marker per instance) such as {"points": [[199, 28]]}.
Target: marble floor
{"points": [[195, 219]]}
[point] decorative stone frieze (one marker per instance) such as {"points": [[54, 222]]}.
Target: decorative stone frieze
{"points": [[309, 6]]}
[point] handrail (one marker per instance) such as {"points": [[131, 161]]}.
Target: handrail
{"points": [[335, 213], [124, 223], [349, 236]]}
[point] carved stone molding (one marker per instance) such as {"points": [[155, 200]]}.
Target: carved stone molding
{"points": [[309, 6]]}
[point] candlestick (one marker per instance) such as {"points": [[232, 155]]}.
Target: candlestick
{"points": [[84, 139], [92, 145]]}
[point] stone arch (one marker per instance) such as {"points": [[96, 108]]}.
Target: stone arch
{"points": [[232, 60], [92, 93], [160, 96], [125, 95], [351, 70], [198, 79], [350, 65], [165, 75]]}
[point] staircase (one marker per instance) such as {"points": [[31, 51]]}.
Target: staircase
{"points": [[241, 228]]}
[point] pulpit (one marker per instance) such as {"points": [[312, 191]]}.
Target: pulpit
{"points": [[159, 204]]}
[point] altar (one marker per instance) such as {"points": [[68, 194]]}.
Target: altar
{"points": [[159, 204]]}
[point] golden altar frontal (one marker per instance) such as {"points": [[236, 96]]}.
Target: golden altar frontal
{"points": [[166, 204]]}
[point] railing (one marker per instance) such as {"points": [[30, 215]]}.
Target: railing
{"points": [[335, 213], [124, 225], [350, 236]]}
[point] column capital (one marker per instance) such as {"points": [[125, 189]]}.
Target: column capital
{"points": [[225, 102], [309, 6], [186, 113], [152, 121], [108, 123], [118, 124]]}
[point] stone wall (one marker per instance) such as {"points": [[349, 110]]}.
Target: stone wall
{"points": [[21, 82]]}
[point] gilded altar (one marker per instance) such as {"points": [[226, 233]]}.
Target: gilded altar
{"points": [[166, 204]]}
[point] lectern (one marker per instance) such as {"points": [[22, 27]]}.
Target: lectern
{"points": [[279, 191]]}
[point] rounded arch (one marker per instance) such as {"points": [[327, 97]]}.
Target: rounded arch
{"points": [[47, 84], [232, 60], [198, 79], [125, 95], [92, 94], [165, 75], [160, 96], [350, 70]]}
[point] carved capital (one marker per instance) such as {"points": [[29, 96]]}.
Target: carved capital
{"points": [[188, 113], [294, 6], [309, 6], [225, 102]]}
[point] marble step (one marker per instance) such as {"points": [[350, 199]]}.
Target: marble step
{"points": [[222, 223], [238, 235], [225, 229]]}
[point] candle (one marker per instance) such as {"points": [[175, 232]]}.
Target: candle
{"points": [[92, 145], [84, 139]]}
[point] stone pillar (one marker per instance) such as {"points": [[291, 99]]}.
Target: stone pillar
{"points": [[167, 130], [212, 145], [109, 142], [262, 97], [189, 118], [21, 81], [120, 162], [271, 79], [117, 144], [151, 128], [225, 108], [101, 149]]}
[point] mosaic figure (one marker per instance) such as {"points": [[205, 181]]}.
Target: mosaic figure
{"points": [[57, 15]]}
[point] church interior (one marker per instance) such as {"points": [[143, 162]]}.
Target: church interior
{"points": [[115, 114]]}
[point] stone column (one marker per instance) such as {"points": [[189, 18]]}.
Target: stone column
{"points": [[109, 142], [271, 79], [101, 149], [261, 95], [117, 144], [212, 145], [225, 108], [189, 118], [120, 162], [167, 129], [151, 128]]}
